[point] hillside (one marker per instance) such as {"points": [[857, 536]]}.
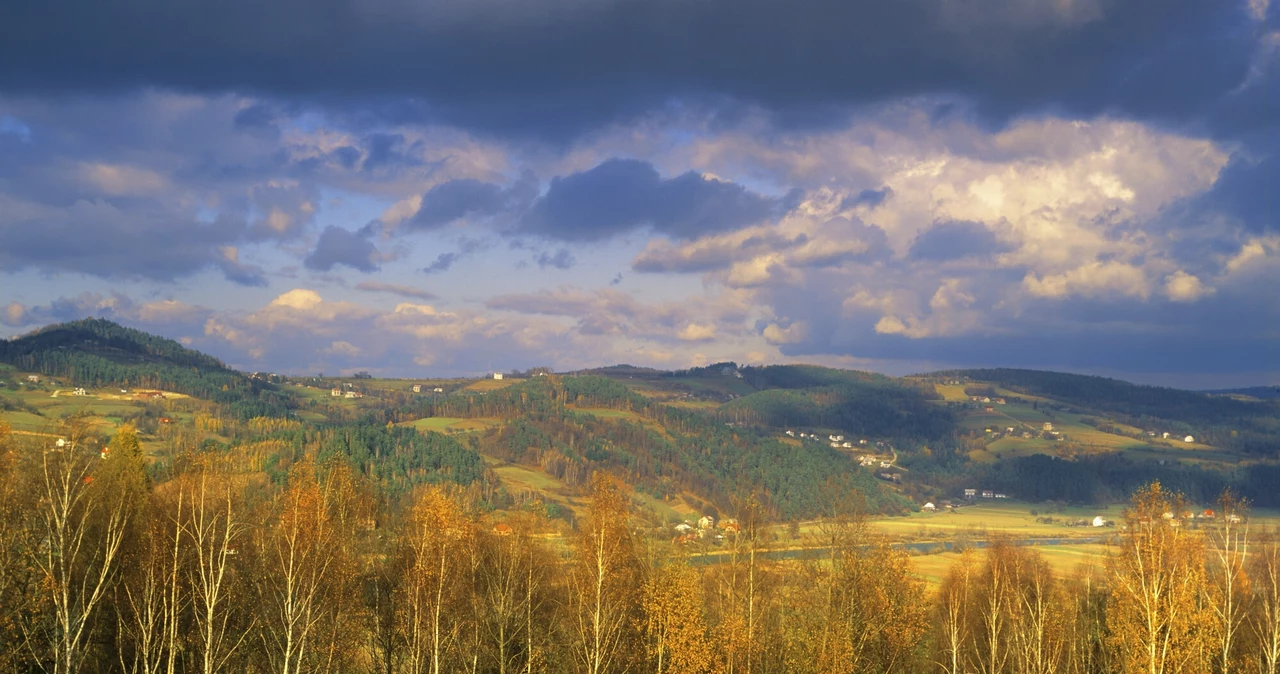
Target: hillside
{"points": [[1247, 426], [96, 352], [699, 440]]}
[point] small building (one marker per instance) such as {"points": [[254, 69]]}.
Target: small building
{"points": [[353, 394], [503, 529], [885, 464], [791, 433], [836, 445], [862, 441], [989, 408], [166, 420], [1164, 435], [33, 379], [336, 393], [1000, 401], [497, 375], [1189, 439], [970, 493], [1048, 426], [60, 443], [706, 522], [684, 528], [417, 388], [929, 507], [79, 392], [847, 445], [439, 390], [999, 495], [1099, 521], [987, 493]]}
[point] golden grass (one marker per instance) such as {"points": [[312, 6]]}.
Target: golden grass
{"points": [[485, 385]]}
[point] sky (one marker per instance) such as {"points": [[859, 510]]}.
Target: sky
{"points": [[445, 188]]}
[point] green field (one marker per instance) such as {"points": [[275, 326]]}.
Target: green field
{"points": [[452, 424]]}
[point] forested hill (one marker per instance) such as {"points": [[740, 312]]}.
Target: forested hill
{"points": [[1247, 425], [97, 352]]}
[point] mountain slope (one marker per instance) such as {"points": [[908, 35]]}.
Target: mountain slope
{"points": [[95, 352]]}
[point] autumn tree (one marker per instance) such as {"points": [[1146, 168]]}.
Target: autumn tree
{"points": [[214, 527], [603, 583], [433, 552], [78, 527], [676, 638], [1228, 584], [951, 618], [1155, 617], [514, 590], [17, 574], [1264, 619], [299, 554]]}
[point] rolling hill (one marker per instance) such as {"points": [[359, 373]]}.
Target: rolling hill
{"points": [[696, 440]]}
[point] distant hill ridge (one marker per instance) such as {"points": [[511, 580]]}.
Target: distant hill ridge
{"points": [[97, 352]]}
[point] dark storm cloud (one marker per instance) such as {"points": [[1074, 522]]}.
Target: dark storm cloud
{"points": [[953, 241], [621, 195], [559, 66], [342, 246], [454, 200]]}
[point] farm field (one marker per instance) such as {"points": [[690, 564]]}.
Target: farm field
{"points": [[452, 424], [624, 415], [1063, 559], [982, 519], [522, 478], [484, 385]]}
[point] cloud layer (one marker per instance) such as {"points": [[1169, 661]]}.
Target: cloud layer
{"points": [[412, 187]]}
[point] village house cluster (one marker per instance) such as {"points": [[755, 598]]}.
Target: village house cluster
{"points": [[706, 528]]}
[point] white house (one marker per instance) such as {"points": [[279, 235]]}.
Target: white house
{"points": [[929, 507], [336, 393], [970, 493], [836, 445], [684, 528], [839, 438], [862, 441], [847, 445], [1165, 435], [999, 495], [706, 522], [987, 493], [497, 375], [1188, 439], [60, 443], [439, 390], [81, 392], [33, 379], [417, 388], [1099, 521], [791, 433], [1048, 425]]}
